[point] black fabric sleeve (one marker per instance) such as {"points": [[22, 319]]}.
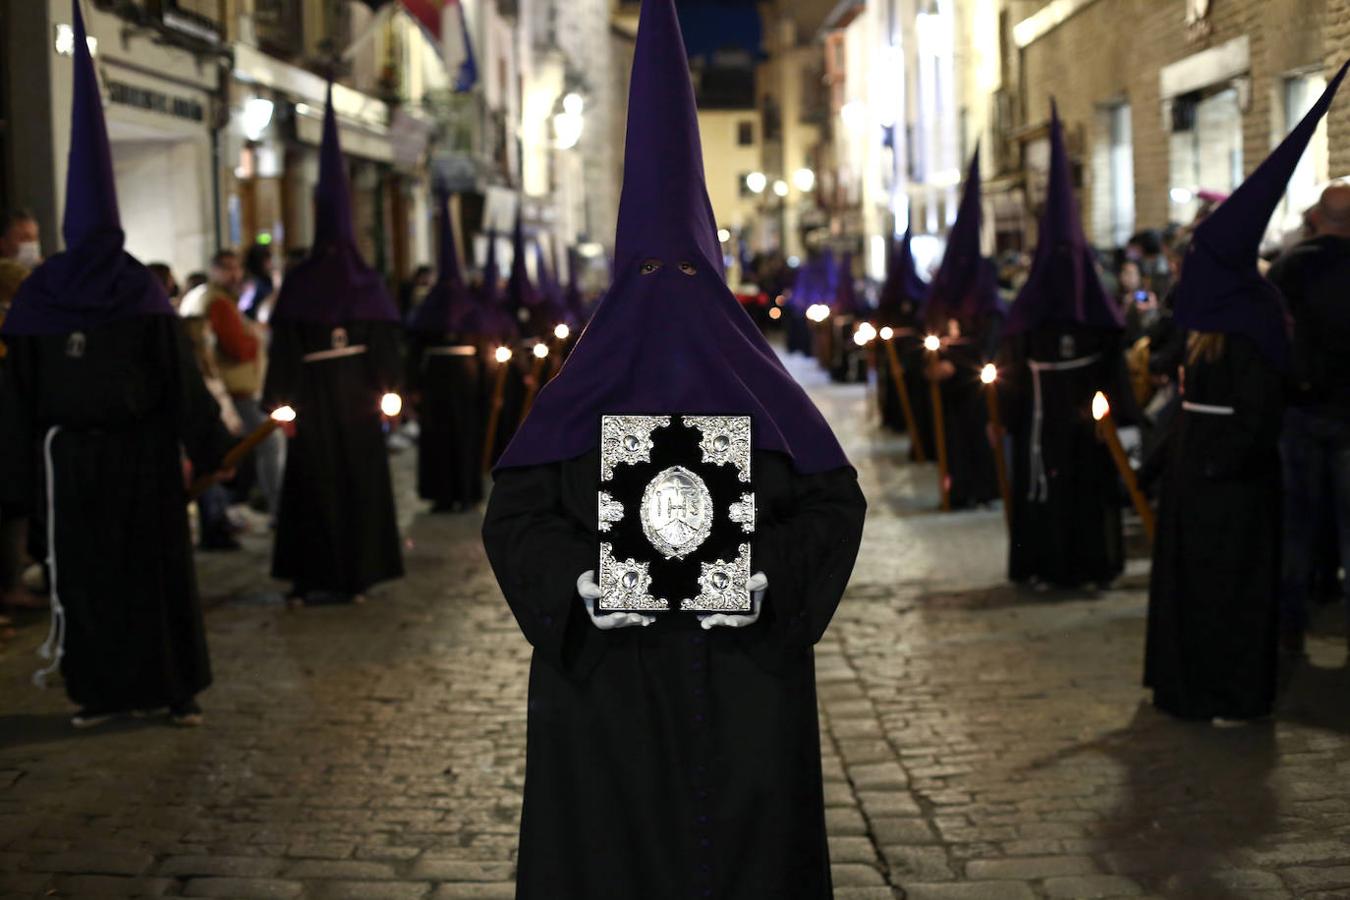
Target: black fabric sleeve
{"points": [[18, 468], [808, 557], [285, 356], [537, 551], [196, 412]]}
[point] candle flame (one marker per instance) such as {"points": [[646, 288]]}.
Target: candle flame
{"points": [[562, 332], [503, 354], [865, 334], [1100, 407], [932, 343], [887, 333], [391, 405], [775, 313], [989, 374], [283, 414], [540, 350]]}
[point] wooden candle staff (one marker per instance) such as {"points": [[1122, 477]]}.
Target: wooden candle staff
{"points": [[503, 359], [989, 376], [1106, 431], [280, 416], [898, 381], [933, 344]]}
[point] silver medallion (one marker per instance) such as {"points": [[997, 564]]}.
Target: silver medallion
{"points": [[677, 512], [723, 586], [742, 513], [627, 440], [725, 441], [611, 511], [626, 584]]}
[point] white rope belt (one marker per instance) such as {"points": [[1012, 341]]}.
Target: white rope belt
{"points": [[1040, 482], [54, 647], [338, 353], [1207, 410], [464, 350]]}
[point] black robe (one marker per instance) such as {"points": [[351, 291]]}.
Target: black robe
{"points": [[1213, 599], [110, 408], [668, 762], [448, 380], [337, 530], [1066, 527]]}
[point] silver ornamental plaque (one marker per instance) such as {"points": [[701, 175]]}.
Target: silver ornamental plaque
{"points": [[675, 513]]}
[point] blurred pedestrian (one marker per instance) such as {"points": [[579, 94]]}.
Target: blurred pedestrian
{"points": [[1313, 278], [258, 286], [19, 238], [100, 393], [334, 353], [691, 746], [1214, 593], [238, 347]]}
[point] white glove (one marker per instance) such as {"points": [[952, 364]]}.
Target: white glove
{"points": [[590, 592], [758, 584]]}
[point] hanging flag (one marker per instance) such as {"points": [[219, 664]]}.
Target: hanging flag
{"points": [[458, 51], [426, 12], [453, 37]]}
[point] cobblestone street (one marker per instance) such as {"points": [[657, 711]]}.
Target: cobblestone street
{"points": [[980, 742]]}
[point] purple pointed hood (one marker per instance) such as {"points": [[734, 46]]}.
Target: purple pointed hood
{"points": [[966, 285], [94, 282], [667, 340], [552, 291], [448, 305], [1221, 289], [333, 285], [904, 292], [1063, 287]]}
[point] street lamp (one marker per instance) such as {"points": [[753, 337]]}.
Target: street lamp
{"points": [[757, 182], [805, 180], [568, 124], [780, 187]]}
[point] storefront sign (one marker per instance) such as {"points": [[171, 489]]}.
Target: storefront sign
{"points": [[156, 101]]}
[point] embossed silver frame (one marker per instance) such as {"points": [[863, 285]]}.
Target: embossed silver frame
{"points": [[625, 585], [701, 528], [725, 441], [611, 511], [627, 440], [742, 513], [723, 586]]}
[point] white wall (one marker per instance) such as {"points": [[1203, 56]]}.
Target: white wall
{"points": [[165, 202]]}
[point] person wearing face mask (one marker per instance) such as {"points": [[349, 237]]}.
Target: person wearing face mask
{"points": [[19, 238], [674, 755]]}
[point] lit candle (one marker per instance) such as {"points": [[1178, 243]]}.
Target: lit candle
{"points": [[562, 332], [391, 405], [989, 377], [933, 344], [1106, 431], [282, 415]]}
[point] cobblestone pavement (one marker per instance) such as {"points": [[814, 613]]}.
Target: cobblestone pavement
{"points": [[979, 742]]}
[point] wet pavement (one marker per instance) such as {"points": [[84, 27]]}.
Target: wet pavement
{"points": [[980, 741]]}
